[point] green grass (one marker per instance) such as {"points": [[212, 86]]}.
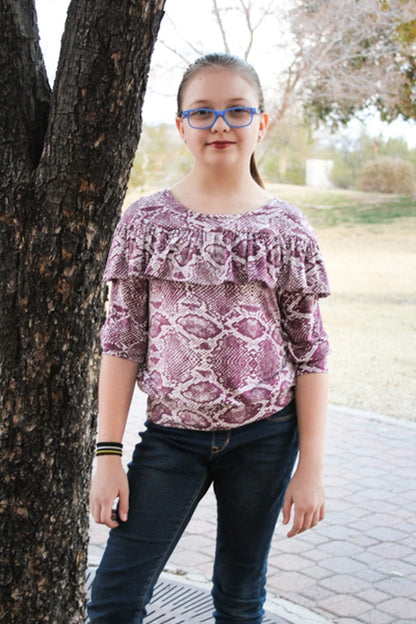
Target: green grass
{"points": [[327, 208]]}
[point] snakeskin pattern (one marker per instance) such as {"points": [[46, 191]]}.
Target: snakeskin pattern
{"points": [[221, 311]]}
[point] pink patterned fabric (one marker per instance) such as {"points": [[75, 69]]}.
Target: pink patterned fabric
{"points": [[221, 311]]}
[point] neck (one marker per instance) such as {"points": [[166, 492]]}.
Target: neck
{"points": [[220, 193], [223, 182]]}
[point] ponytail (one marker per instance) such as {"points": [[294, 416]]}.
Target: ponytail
{"points": [[255, 174]]}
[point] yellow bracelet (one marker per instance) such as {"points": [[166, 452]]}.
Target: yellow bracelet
{"points": [[109, 448]]}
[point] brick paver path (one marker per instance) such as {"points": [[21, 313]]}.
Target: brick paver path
{"points": [[359, 565]]}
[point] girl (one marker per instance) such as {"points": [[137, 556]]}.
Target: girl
{"points": [[214, 311]]}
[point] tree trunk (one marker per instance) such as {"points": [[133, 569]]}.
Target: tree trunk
{"points": [[65, 159]]}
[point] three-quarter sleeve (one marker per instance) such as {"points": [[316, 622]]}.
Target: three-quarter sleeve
{"points": [[124, 333], [306, 340]]}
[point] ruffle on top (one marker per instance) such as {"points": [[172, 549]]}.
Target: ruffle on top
{"points": [[159, 238]]}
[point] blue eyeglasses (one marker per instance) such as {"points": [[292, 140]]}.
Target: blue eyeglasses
{"points": [[234, 117]]}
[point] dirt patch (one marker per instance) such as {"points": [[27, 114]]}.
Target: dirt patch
{"points": [[371, 316]]}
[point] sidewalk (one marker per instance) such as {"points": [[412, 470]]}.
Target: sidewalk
{"points": [[359, 564]]}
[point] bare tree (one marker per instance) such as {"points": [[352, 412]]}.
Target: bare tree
{"points": [[349, 55], [244, 17], [65, 157], [335, 57], [219, 21], [253, 14]]}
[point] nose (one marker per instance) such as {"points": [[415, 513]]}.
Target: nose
{"points": [[220, 125]]}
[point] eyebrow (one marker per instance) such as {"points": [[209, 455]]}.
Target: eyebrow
{"points": [[232, 102]]}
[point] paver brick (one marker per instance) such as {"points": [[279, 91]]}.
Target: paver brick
{"points": [[289, 562], [373, 596], [377, 617], [383, 520], [387, 534], [394, 567], [316, 592], [343, 548], [400, 608], [345, 583], [398, 587], [390, 550], [288, 582], [317, 573], [340, 531], [315, 555], [343, 565], [364, 541], [345, 605]]}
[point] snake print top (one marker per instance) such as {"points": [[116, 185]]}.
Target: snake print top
{"points": [[220, 311]]}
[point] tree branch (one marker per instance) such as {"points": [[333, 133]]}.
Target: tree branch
{"points": [[221, 26], [194, 48], [98, 121], [25, 90], [247, 10]]}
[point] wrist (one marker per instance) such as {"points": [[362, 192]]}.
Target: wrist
{"points": [[311, 463], [109, 459], [109, 449]]}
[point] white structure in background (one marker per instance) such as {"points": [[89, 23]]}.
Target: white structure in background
{"points": [[318, 172]]}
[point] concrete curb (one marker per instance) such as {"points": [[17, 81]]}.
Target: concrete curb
{"points": [[388, 420]]}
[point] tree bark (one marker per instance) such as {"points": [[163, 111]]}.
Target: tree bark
{"points": [[65, 159]]}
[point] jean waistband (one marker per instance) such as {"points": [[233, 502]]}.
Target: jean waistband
{"points": [[289, 408]]}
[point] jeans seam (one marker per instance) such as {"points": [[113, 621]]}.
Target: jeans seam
{"points": [[170, 548], [272, 419], [216, 450]]}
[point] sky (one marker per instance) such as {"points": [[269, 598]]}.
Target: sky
{"points": [[191, 21]]}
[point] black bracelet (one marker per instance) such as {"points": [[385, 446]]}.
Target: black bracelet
{"points": [[109, 448]]}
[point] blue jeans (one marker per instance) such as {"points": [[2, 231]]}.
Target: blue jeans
{"points": [[170, 472]]}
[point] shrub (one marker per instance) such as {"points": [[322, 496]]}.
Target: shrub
{"points": [[343, 174], [387, 175]]}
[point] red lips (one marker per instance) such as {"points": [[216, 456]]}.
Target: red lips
{"points": [[220, 144]]}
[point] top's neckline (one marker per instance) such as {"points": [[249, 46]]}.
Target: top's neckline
{"points": [[209, 215]]}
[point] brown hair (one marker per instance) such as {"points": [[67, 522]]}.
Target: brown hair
{"points": [[225, 61]]}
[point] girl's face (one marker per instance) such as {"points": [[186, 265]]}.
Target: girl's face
{"points": [[221, 88]]}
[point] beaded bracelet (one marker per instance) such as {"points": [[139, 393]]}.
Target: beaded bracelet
{"points": [[109, 448]]}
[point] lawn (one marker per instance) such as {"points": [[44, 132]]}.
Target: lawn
{"points": [[336, 207], [369, 245]]}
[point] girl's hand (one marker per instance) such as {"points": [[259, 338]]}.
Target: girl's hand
{"points": [[307, 494], [109, 482]]}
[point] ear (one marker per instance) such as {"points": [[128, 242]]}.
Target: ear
{"points": [[179, 126], [264, 122]]}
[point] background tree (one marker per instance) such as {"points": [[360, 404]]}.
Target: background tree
{"points": [[337, 57], [351, 153], [165, 158], [283, 157], [65, 157], [330, 59], [355, 54]]}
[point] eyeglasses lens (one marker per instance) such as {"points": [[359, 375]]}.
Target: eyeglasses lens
{"points": [[235, 117], [238, 117], [201, 118]]}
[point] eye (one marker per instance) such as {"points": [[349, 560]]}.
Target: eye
{"points": [[239, 116], [200, 113], [239, 112]]}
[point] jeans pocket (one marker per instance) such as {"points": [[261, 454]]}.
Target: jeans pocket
{"points": [[284, 415], [280, 419]]}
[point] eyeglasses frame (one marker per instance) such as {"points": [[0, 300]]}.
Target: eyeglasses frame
{"points": [[253, 111]]}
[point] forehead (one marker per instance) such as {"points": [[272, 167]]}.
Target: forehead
{"points": [[218, 84]]}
